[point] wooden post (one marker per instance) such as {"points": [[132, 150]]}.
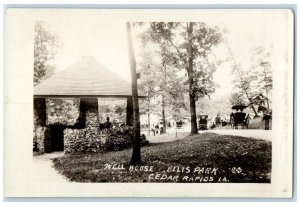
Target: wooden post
{"points": [[136, 152]]}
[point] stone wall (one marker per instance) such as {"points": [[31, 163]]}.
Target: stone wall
{"points": [[77, 140]]}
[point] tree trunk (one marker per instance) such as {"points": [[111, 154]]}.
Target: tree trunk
{"points": [[163, 98], [268, 105], [267, 93], [254, 110], [129, 112], [194, 129], [163, 116], [136, 152], [149, 126]]}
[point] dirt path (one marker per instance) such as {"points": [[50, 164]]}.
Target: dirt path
{"points": [[257, 134], [167, 137], [43, 170]]}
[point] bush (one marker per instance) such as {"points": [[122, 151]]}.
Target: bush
{"points": [[118, 141], [144, 141]]}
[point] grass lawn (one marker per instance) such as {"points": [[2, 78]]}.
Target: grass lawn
{"points": [[205, 158]]}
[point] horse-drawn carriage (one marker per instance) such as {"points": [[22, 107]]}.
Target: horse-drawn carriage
{"points": [[239, 117], [179, 124], [203, 122]]}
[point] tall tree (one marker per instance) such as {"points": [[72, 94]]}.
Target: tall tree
{"points": [[136, 152], [159, 80], [175, 102], [261, 69], [190, 72], [253, 84], [45, 48], [147, 67], [166, 79], [242, 81], [190, 45]]}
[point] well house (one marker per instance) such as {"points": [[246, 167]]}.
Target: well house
{"points": [[83, 82]]}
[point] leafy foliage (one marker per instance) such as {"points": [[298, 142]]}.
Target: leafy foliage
{"points": [[62, 111], [212, 107], [114, 109], [187, 46], [261, 69], [120, 140], [45, 48], [250, 83], [237, 98], [169, 41], [148, 83], [173, 38], [160, 82]]}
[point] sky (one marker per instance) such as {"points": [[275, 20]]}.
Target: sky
{"points": [[105, 39]]}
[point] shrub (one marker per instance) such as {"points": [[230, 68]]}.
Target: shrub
{"points": [[119, 140]]}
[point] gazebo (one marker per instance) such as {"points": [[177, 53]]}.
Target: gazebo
{"points": [[86, 80]]}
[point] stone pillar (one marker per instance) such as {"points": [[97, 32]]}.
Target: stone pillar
{"points": [[90, 116], [84, 139], [129, 111], [41, 132], [39, 110]]}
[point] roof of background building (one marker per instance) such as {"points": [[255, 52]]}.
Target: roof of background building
{"points": [[87, 77]]}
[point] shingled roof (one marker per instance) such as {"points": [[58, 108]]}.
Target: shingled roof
{"points": [[87, 77]]}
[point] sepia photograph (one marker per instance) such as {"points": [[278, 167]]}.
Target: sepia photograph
{"points": [[159, 99]]}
